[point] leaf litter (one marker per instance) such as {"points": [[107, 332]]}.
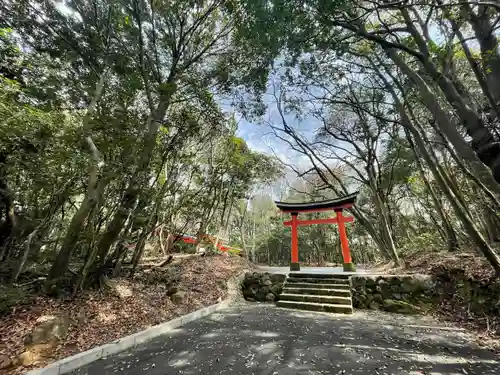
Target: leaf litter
{"points": [[131, 305]]}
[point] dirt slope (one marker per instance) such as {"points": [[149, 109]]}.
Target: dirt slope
{"points": [[125, 307]]}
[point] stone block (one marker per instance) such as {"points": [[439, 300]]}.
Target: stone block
{"points": [[261, 295], [145, 336], [49, 370], [407, 287], [192, 316], [168, 326], [265, 289], [118, 346], [370, 282], [398, 296], [72, 363], [381, 281], [358, 282], [277, 289], [247, 293], [213, 308], [387, 291], [395, 288], [278, 278], [270, 297]]}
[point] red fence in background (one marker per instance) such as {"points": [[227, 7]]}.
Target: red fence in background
{"points": [[193, 240]]}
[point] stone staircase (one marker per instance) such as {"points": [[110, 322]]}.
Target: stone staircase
{"points": [[317, 292]]}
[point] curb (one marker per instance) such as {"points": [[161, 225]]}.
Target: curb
{"points": [[69, 364]]}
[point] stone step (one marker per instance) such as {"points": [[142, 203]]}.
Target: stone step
{"points": [[339, 309], [318, 275], [318, 286], [315, 298], [317, 281], [316, 291]]}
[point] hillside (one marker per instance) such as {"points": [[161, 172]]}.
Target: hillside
{"points": [[125, 306]]}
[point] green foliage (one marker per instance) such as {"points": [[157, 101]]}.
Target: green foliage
{"points": [[111, 126], [110, 119]]}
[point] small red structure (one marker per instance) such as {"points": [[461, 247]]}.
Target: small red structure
{"points": [[212, 239], [337, 205]]}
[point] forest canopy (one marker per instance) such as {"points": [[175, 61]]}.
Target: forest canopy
{"points": [[120, 119]]}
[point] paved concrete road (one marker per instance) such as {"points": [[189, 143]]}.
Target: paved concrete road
{"points": [[265, 340], [332, 270]]}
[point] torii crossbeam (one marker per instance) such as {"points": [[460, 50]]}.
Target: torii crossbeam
{"points": [[337, 205]]}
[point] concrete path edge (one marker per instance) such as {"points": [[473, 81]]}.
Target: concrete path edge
{"points": [[69, 364]]}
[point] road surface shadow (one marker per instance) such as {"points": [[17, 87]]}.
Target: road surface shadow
{"points": [[265, 340]]}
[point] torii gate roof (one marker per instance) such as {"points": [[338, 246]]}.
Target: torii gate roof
{"points": [[330, 204]]}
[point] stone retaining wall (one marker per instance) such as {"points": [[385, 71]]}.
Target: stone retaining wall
{"points": [[401, 294], [258, 286]]}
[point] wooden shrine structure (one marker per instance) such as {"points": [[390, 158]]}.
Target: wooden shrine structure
{"points": [[337, 205]]}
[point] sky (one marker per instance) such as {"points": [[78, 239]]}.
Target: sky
{"points": [[259, 137]]}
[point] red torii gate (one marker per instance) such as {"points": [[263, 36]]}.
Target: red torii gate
{"points": [[337, 205]]}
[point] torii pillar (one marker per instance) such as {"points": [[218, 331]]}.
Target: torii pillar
{"points": [[294, 262]]}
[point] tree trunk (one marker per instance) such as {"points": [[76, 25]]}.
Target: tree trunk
{"points": [[136, 183], [488, 43], [384, 226], [493, 223], [467, 170], [483, 141], [120, 257], [478, 72], [24, 257], [431, 101], [108, 238], [61, 263], [451, 236], [483, 246], [139, 250]]}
